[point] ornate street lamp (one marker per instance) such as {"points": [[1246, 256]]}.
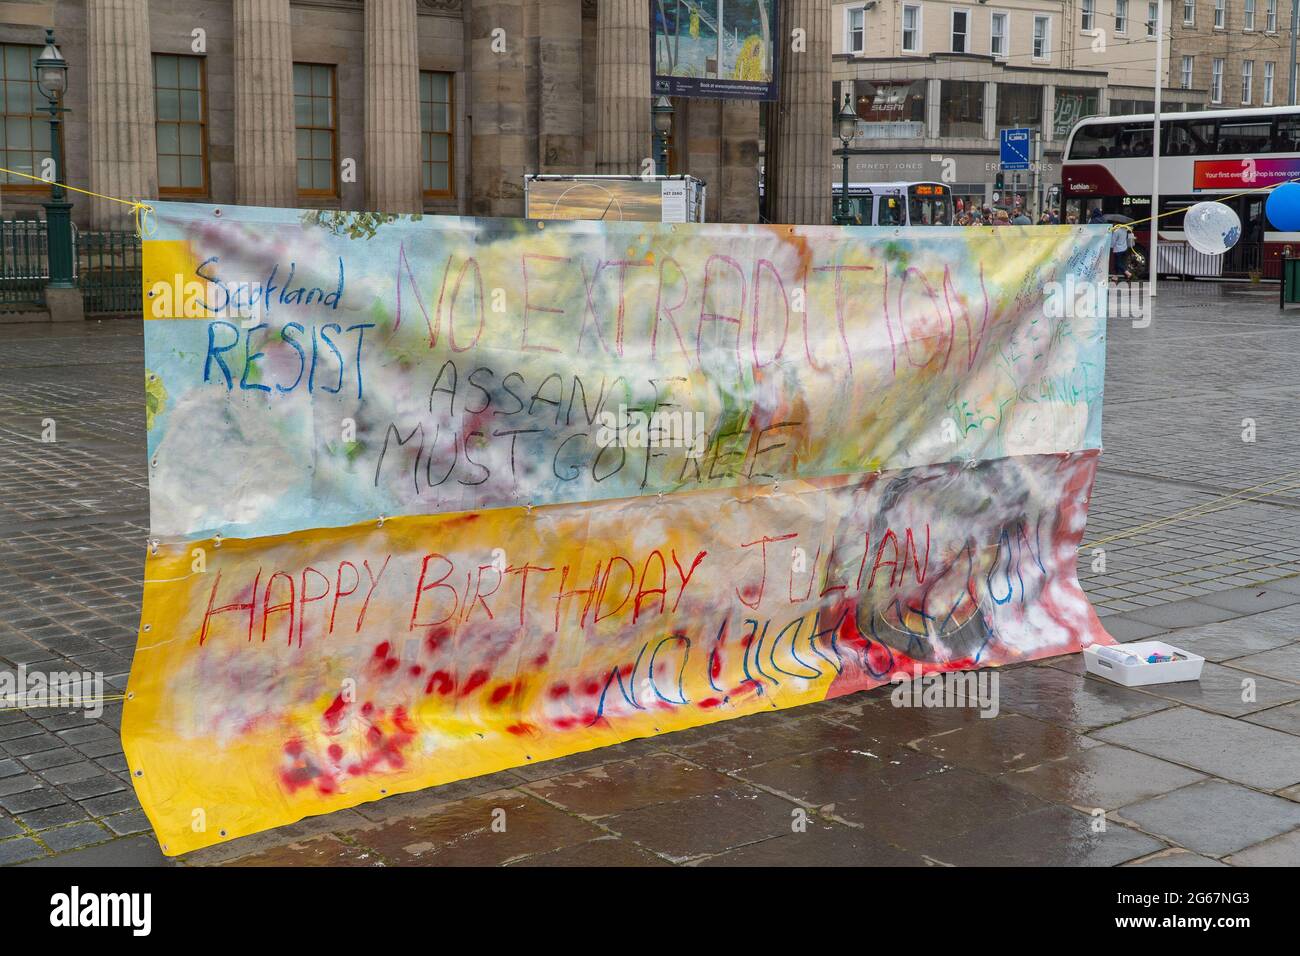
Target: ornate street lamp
{"points": [[847, 125], [663, 119], [52, 81]]}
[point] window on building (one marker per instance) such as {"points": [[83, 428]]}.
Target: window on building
{"points": [[1072, 105], [1153, 14], [436, 133], [1248, 15], [1220, 14], [1020, 105], [1270, 16], [911, 29], [960, 28], [314, 117], [854, 29], [24, 132], [998, 45], [1186, 82], [1042, 38], [1247, 81], [1269, 69], [962, 109], [1189, 12], [1216, 80], [1087, 9], [1121, 16], [181, 125]]}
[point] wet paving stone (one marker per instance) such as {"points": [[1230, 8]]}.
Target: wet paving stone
{"points": [[877, 717], [1176, 858], [1009, 742], [461, 833], [1124, 629], [1285, 718], [836, 776], [1188, 613], [926, 815], [628, 785], [725, 749], [1222, 688], [1241, 636], [1213, 817], [323, 851], [1281, 662], [821, 844], [1233, 749], [1282, 850], [1054, 836], [606, 851], [705, 824], [1067, 700], [1105, 776]]}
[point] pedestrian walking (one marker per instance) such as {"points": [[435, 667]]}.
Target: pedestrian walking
{"points": [[1121, 241]]}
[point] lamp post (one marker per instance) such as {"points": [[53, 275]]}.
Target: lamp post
{"points": [[52, 81], [847, 124], [663, 122]]}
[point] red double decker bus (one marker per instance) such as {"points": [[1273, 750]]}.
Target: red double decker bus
{"points": [[1205, 155]]}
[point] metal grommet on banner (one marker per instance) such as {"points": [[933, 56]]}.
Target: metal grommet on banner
{"points": [[380, 522], [528, 509], [216, 211], [216, 540], [153, 545]]}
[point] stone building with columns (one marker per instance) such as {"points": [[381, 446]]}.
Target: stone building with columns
{"points": [[391, 105]]}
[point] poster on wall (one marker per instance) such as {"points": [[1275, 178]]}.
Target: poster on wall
{"points": [[714, 49], [431, 497]]}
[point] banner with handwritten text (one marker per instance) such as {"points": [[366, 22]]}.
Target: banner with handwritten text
{"points": [[434, 497]]}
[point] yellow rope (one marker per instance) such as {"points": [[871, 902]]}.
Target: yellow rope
{"points": [[141, 209]]}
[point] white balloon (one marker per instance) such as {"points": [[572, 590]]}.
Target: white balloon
{"points": [[1211, 228]]}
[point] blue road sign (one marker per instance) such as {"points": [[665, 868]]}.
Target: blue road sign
{"points": [[1015, 149]]}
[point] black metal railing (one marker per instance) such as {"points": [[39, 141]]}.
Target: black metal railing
{"points": [[109, 272], [24, 265]]}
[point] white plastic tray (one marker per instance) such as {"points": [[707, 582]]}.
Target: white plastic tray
{"points": [[1142, 673]]}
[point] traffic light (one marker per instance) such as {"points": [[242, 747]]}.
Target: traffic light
{"points": [[998, 182]]}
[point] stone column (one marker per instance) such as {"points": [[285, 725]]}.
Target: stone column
{"points": [[623, 137], [800, 137], [392, 76], [265, 164], [123, 150], [559, 43], [499, 106]]}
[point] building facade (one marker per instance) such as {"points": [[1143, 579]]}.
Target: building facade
{"points": [[1238, 51], [443, 106], [439, 106], [934, 82]]}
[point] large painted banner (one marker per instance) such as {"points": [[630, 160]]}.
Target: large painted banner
{"points": [[436, 497]]}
